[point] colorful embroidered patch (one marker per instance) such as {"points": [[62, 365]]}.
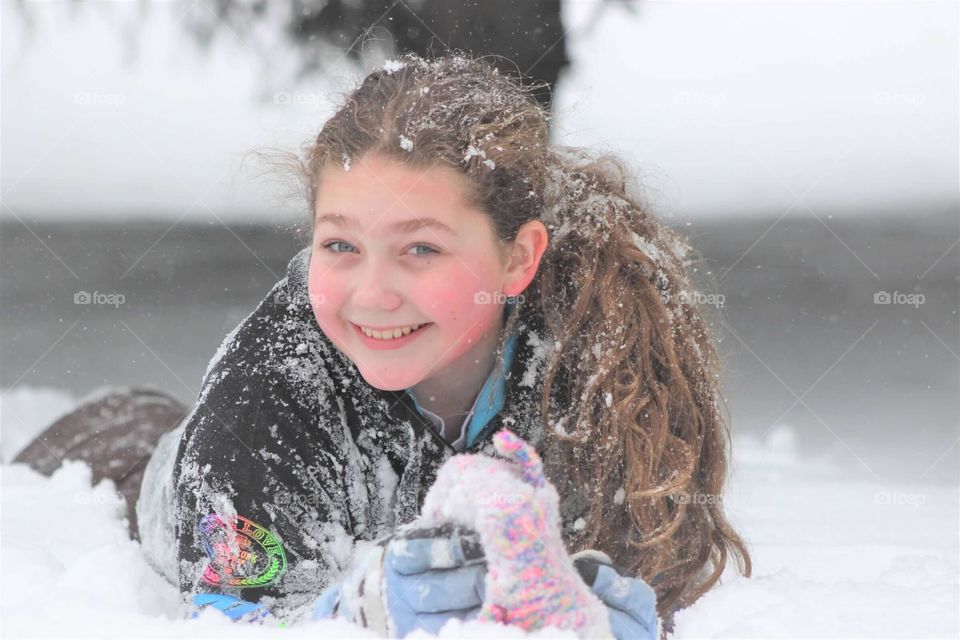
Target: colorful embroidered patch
{"points": [[242, 553]]}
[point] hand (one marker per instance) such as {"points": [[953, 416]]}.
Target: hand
{"points": [[326, 605], [429, 576], [631, 602], [433, 575]]}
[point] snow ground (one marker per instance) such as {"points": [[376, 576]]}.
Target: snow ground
{"points": [[836, 554]]}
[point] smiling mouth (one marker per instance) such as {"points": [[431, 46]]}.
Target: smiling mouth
{"points": [[391, 334]]}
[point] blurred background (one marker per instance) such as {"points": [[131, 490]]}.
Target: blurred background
{"points": [[808, 149]]}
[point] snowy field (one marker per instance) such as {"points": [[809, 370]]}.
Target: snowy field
{"points": [[836, 555]]}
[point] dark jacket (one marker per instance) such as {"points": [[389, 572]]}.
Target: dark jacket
{"points": [[290, 456]]}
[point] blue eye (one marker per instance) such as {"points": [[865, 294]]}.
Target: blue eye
{"points": [[339, 246], [328, 246], [429, 249]]}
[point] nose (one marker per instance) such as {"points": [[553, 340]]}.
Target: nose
{"points": [[374, 287]]}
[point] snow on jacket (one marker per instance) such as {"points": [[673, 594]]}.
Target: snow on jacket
{"points": [[289, 457]]}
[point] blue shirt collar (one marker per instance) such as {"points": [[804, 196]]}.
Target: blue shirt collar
{"points": [[492, 396]]}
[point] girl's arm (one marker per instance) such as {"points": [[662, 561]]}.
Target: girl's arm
{"points": [[250, 525], [261, 507]]}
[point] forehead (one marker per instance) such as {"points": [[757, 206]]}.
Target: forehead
{"points": [[375, 182]]}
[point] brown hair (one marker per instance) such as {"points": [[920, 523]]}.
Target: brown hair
{"points": [[648, 438]]}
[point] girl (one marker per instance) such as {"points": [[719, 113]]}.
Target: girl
{"points": [[463, 276]]}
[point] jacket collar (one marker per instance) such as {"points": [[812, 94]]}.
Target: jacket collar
{"points": [[492, 397]]}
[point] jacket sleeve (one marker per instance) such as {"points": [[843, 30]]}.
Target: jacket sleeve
{"points": [[260, 502]]}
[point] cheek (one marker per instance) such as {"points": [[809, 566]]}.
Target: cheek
{"points": [[462, 297], [326, 295]]}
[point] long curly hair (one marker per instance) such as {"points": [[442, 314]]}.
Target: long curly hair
{"points": [[639, 424]]}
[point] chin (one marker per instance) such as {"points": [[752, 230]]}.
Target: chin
{"points": [[389, 382]]}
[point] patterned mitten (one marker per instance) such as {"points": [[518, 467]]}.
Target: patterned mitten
{"points": [[531, 582]]}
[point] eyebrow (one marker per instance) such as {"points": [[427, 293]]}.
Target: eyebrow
{"points": [[404, 226]]}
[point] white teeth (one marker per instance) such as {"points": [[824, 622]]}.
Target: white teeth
{"points": [[390, 334]]}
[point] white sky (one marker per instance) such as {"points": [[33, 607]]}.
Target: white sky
{"points": [[724, 107]]}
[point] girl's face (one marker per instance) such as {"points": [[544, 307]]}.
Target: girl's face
{"points": [[397, 251]]}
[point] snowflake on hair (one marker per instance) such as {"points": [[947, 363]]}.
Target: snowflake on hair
{"points": [[472, 152]]}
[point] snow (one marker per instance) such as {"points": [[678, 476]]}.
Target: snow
{"points": [[391, 66], [836, 553], [619, 496], [474, 151], [24, 411]]}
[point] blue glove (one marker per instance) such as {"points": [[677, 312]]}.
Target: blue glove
{"points": [[428, 576], [327, 604], [433, 575], [631, 602], [233, 608]]}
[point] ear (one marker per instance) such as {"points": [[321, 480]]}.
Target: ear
{"points": [[524, 257]]}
